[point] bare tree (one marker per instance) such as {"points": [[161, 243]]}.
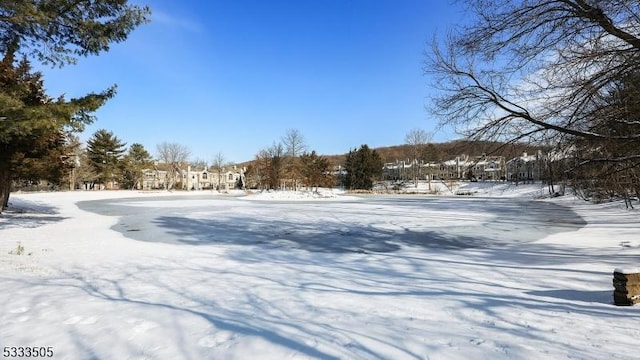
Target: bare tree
{"points": [[270, 165], [294, 145], [173, 156], [417, 139], [218, 164], [532, 71], [259, 169], [73, 155], [84, 172], [198, 164]]}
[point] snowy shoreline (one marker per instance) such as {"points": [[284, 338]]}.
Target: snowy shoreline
{"points": [[92, 292]]}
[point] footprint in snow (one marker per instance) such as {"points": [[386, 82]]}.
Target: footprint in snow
{"points": [[216, 339], [141, 326]]}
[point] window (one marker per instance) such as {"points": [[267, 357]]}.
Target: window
{"points": [[204, 175], [230, 176]]}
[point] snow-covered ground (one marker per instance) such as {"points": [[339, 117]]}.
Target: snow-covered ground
{"points": [[131, 275]]}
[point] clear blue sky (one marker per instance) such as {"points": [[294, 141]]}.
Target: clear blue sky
{"points": [[233, 76]]}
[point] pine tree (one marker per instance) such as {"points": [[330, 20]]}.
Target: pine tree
{"points": [[362, 167], [135, 161], [315, 169], [55, 32], [105, 155], [32, 124]]}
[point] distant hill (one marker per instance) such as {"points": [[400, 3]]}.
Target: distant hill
{"points": [[446, 151]]}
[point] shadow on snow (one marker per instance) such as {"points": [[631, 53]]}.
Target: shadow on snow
{"points": [[26, 214], [331, 238], [511, 222]]}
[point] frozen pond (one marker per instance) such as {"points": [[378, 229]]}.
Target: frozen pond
{"points": [[366, 224]]}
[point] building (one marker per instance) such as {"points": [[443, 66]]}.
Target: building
{"points": [[409, 170], [482, 168], [193, 179], [526, 168]]}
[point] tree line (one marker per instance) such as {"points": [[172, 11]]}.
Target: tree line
{"points": [[106, 162], [287, 164]]}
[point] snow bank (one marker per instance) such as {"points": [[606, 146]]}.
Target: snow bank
{"points": [[502, 189], [467, 188], [299, 195]]}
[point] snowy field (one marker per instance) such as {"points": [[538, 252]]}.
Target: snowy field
{"points": [[496, 275]]}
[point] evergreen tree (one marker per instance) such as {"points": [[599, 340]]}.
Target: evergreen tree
{"points": [[33, 125], [315, 169], [46, 160], [430, 153], [135, 161], [275, 171], [55, 32], [105, 152], [240, 183], [362, 167]]}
